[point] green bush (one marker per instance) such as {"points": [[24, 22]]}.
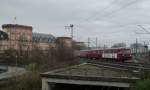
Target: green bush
{"points": [[29, 81], [142, 85]]}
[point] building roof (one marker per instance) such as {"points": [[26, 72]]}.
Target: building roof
{"points": [[92, 70], [42, 38], [92, 73], [63, 37], [15, 25]]}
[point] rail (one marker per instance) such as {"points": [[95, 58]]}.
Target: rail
{"points": [[133, 66]]}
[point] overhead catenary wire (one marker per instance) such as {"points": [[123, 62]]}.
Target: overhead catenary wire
{"points": [[97, 13], [111, 13], [79, 24], [146, 31], [119, 9], [102, 11]]}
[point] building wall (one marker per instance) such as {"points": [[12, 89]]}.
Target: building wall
{"points": [[43, 46], [43, 41], [19, 36], [79, 45], [18, 32], [4, 45], [67, 41]]}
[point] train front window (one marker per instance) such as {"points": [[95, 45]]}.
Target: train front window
{"points": [[124, 51], [127, 51], [120, 51]]}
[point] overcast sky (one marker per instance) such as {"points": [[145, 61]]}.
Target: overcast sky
{"points": [[111, 21]]}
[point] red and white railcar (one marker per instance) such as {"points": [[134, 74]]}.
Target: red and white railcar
{"points": [[117, 54]]}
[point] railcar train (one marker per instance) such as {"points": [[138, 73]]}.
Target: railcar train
{"points": [[113, 54]]}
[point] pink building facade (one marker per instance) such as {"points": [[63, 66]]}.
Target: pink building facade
{"points": [[19, 36]]}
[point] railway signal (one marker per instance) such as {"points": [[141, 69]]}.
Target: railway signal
{"points": [[70, 27]]}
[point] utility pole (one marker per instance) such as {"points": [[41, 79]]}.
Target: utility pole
{"points": [[88, 42], [104, 47], [96, 42], [136, 47], [145, 32], [71, 28], [144, 29], [93, 41], [13, 42], [144, 47]]}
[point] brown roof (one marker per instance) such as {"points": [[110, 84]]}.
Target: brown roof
{"points": [[63, 37], [15, 25]]}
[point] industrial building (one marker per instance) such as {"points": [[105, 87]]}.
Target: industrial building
{"points": [[15, 36], [88, 75], [43, 41]]}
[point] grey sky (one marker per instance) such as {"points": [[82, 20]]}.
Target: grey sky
{"points": [[110, 20]]}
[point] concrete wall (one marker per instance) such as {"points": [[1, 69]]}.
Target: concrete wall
{"points": [[48, 83]]}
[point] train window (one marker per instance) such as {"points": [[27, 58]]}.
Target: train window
{"points": [[96, 51], [114, 51], [120, 51], [111, 51], [127, 51], [124, 51], [106, 51], [101, 51]]}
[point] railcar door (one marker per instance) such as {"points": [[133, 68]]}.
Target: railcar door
{"points": [[127, 54], [120, 55]]}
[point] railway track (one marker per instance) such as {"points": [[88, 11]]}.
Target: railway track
{"points": [[132, 66]]}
